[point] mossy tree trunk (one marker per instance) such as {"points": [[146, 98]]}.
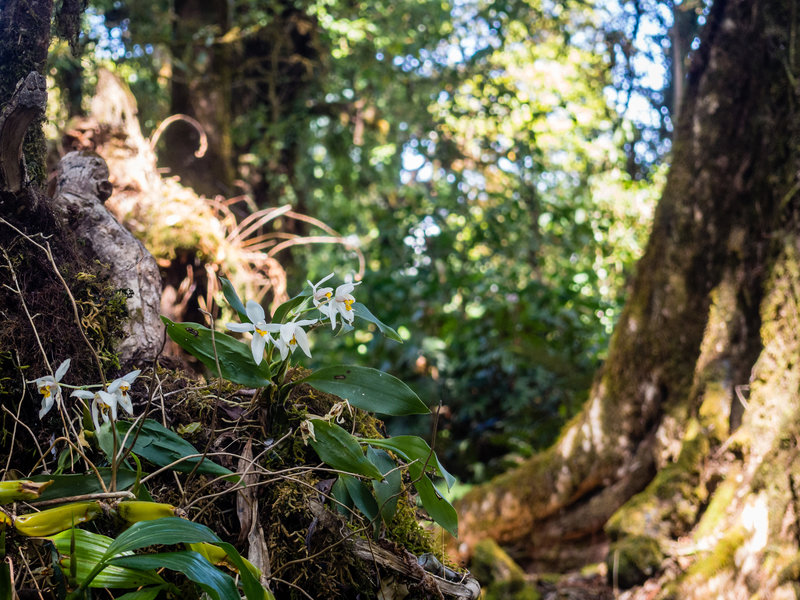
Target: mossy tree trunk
{"points": [[697, 319], [24, 40]]}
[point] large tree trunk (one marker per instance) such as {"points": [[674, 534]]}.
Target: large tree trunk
{"points": [[717, 266]]}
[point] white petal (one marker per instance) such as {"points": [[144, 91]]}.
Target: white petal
{"points": [[321, 281], [255, 312], [240, 327], [132, 375], [43, 381], [83, 394], [95, 415], [305, 322], [62, 369], [273, 327], [47, 404], [302, 341], [284, 348], [125, 402], [111, 401], [114, 386], [257, 348]]}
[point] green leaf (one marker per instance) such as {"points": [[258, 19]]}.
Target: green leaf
{"points": [[252, 587], [169, 530], [6, 590], [368, 389], [235, 358], [89, 551], [149, 593], [342, 497], [413, 448], [363, 312], [162, 446], [233, 299], [436, 505], [387, 491], [361, 495], [340, 450], [217, 584], [79, 484]]}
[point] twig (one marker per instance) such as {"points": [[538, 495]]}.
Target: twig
{"points": [[95, 496]]}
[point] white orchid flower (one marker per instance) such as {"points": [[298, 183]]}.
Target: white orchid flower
{"points": [[341, 303], [49, 389], [102, 403], [120, 388], [319, 295], [258, 326], [291, 335]]}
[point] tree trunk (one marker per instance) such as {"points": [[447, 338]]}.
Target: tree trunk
{"points": [[711, 303]]}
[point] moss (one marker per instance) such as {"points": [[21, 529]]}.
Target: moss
{"points": [[500, 577], [721, 558], [634, 559], [791, 572], [670, 504], [712, 519]]}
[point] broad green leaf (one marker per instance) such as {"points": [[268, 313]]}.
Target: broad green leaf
{"points": [[235, 358], [387, 491], [6, 589], [90, 550], [361, 495], [162, 446], [233, 299], [252, 587], [79, 484], [169, 530], [340, 450], [342, 496], [217, 584], [436, 505], [411, 448], [368, 389], [363, 312], [148, 593]]}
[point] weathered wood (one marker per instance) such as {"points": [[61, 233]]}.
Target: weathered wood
{"points": [[26, 104], [81, 188]]}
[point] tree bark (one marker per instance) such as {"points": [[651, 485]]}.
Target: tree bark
{"points": [[24, 40], [730, 194]]}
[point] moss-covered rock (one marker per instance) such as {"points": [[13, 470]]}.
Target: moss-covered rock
{"points": [[632, 560], [500, 577]]}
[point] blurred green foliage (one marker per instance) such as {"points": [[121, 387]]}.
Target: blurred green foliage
{"points": [[475, 151]]}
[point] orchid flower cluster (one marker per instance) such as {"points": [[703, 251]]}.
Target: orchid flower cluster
{"points": [[104, 402], [291, 335]]}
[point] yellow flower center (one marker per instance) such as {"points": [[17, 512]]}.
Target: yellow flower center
{"points": [[124, 388], [328, 295], [45, 391], [293, 341], [348, 304], [261, 332]]}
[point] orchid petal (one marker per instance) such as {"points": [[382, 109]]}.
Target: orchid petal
{"points": [[86, 394], [47, 404], [257, 348], [62, 369], [255, 312], [302, 341], [95, 416], [240, 327]]}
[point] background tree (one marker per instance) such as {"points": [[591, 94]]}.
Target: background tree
{"points": [[711, 316]]}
